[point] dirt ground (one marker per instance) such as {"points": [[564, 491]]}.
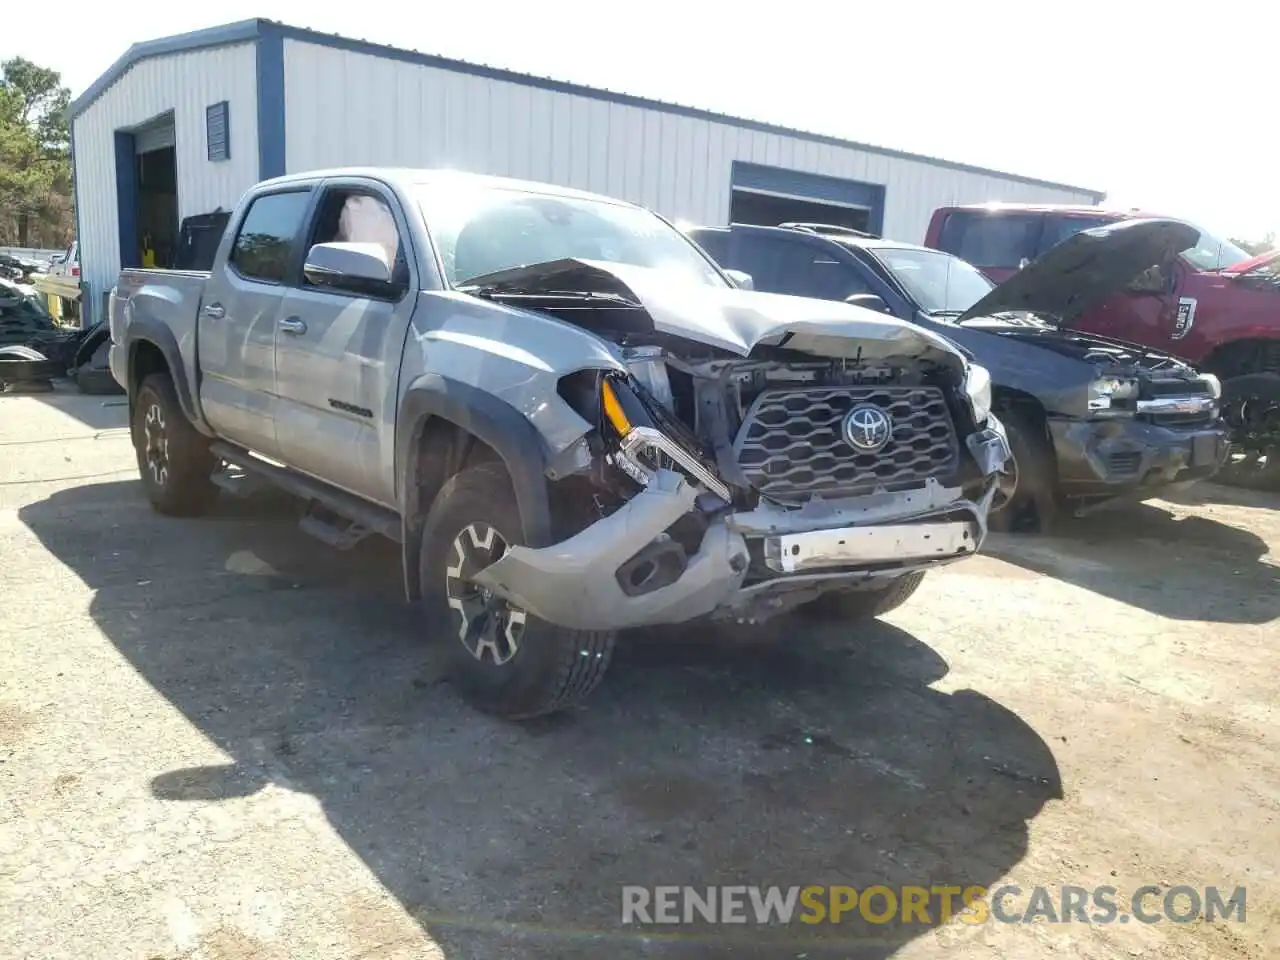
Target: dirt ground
{"points": [[219, 740]]}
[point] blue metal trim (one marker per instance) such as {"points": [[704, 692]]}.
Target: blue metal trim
{"points": [[126, 200], [812, 186], [271, 138], [240, 32], [253, 29], [85, 300]]}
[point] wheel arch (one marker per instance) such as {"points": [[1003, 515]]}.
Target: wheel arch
{"points": [[1239, 357], [444, 425], [152, 348], [1026, 405]]}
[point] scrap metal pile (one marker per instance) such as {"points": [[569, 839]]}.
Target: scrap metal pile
{"points": [[34, 351]]}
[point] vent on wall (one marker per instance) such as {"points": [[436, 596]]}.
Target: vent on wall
{"points": [[218, 131]]}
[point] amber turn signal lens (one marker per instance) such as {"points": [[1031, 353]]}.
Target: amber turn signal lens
{"points": [[613, 410]]}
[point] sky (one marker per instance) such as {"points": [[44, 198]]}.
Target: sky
{"points": [[1168, 107]]}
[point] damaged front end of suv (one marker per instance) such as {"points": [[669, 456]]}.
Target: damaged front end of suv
{"points": [[747, 453]]}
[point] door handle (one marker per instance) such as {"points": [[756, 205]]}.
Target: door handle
{"points": [[214, 311], [293, 325]]}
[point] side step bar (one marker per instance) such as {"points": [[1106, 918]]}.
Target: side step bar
{"points": [[362, 518]]}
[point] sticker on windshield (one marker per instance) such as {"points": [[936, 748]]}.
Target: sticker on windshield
{"points": [[1186, 317]]}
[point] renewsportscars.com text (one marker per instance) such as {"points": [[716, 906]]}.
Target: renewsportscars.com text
{"points": [[929, 905]]}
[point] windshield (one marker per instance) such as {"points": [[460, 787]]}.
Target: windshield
{"points": [[939, 282], [1212, 253], [17, 305], [479, 230]]}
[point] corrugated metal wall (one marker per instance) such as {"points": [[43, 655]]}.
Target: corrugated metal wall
{"points": [[352, 108], [185, 83]]}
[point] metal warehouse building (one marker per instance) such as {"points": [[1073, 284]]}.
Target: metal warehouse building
{"points": [[183, 125]]}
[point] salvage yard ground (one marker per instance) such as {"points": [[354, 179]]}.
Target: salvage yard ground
{"points": [[218, 739]]}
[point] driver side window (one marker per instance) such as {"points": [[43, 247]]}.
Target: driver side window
{"points": [[349, 215]]}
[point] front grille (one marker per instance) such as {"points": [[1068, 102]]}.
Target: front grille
{"points": [[791, 444], [1173, 388], [1126, 463]]}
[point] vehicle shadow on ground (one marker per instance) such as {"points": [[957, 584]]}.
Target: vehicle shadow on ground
{"points": [[790, 757], [1209, 494], [1180, 567]]}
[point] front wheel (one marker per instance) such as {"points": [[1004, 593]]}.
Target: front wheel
{"points": [[506, 661], [1025, 501], [173, 456], [848, 605], [1251, 409]]}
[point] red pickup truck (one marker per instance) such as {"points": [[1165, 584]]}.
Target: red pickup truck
{"points": [[1214, 305]]}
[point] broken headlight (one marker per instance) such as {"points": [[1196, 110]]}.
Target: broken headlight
{"points": [[648, 439], [977, 385], [1108, 396]]}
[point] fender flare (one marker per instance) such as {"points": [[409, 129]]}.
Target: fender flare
{"points": [[489, 419], [147, 330]]}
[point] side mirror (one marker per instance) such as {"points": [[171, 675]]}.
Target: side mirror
{"points": [[741, 280], [1152, 280], [358, 267], [868, 301]]}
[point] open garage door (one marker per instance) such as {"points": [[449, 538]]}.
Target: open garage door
{"points": [[768, 196], [147, 193], [769, 210]]}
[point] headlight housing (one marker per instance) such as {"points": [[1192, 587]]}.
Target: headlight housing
{"points": [[648, 439], [977, 386], [1108, 396]]}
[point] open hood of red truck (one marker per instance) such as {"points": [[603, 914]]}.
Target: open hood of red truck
{"points": [[1261, 260], [1086, 268]]}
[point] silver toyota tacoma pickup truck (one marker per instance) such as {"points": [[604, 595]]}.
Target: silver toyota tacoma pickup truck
{"points": [[569, 417]]}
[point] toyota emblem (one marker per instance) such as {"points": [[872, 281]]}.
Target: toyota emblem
{"points": [[867, 428]]}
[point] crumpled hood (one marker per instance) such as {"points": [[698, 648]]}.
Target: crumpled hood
{"points": [[1086, 268], [727, 318]]}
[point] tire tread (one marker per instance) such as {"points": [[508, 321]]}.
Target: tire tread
{"points": [[572, 662]]}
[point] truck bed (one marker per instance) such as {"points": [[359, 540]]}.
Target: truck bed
{"points": [[161, 299], [133, 278]]}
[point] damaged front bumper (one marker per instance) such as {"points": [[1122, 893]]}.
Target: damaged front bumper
{"points": [[1113, 458], [622, 571]]}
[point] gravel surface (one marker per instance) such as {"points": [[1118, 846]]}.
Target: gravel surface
{"points": [[219, 739]]}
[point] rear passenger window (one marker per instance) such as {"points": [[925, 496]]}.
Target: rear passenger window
{"points": [[830, 279], [714, 244], [268, 236], [991, 240], [1057, 229], [762, 257]]}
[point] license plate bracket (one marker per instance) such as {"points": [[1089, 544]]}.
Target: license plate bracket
{"points": [[1204, 450], [887, 543]]}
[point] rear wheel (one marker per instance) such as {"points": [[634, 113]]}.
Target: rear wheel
{"points": [[506, 661], [173, 456], [1251, 409], [847, 605], [1026, 501]]}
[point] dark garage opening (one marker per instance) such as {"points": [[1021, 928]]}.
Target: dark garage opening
{"points": [[157, 207], [769, 210]]}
